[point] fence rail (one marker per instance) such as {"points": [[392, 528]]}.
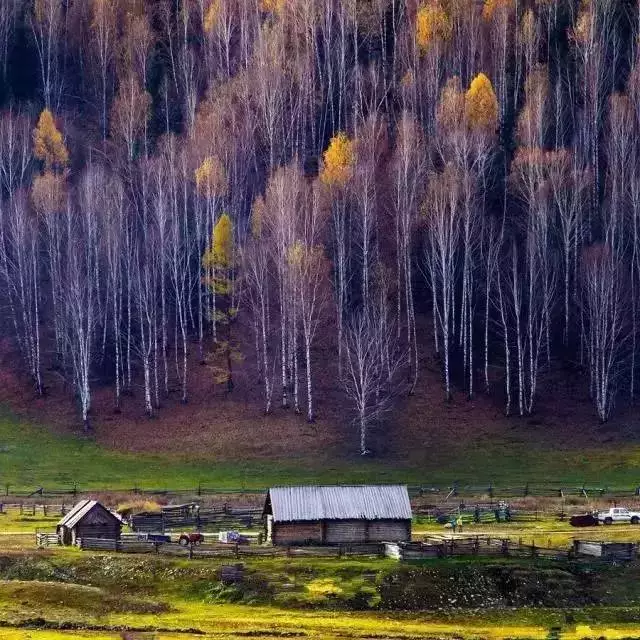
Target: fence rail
{"points": [[473, 546], [47, 539], [213, 550], [532, 489], [193, 516], [34, 509]]}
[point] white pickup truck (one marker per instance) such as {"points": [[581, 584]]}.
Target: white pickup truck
{"points": [[619, 514]]}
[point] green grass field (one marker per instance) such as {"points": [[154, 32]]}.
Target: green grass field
{"points": [[75, 595], [32, 456]]}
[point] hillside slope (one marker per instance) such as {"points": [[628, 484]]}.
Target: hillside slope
{"points": [[225, 440]]}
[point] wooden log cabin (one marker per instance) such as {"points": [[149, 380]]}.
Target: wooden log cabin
{"points": [[88, 519], [334, 515]]}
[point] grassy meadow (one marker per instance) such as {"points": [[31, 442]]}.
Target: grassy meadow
{"points": [[51, 596], [32, 456]]}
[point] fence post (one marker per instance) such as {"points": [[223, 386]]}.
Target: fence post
{"points": [[44, 510], [237, 550], [21, 509], [6, 487], [191, 551]]}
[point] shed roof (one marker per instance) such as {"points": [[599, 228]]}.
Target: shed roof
{"points": [[363, 502], [80, 510]]}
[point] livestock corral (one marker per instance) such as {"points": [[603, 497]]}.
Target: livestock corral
{"points": [[342, 522], [177, 564]]}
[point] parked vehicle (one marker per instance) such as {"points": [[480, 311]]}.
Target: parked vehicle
{"points": [[154, 537], [232, 537], [618, 515], [194, 538], [584, 520]]}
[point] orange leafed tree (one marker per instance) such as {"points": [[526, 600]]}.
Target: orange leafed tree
{"points": [[48, 144], [492, 7], [481, 105], [339, 160], [432, 25], [272, 6], [211, 16]]}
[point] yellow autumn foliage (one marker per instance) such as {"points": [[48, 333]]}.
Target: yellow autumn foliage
{"points": [[491, 7], [218, 258], [481, 105], [272, 6], [339, 159], [48, 144], [211, 16], [432, 25], [211, 177], [582, 30], [223, 243]]}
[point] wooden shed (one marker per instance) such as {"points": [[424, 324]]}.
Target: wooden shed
{"points": [[88, 519], [623, 551], [337, 514]]}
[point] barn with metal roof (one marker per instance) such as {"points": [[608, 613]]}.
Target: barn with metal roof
{"points": [[88, 519], [337, 514]]}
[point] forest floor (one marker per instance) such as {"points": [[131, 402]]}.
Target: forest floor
{"points": [[224, 440]]}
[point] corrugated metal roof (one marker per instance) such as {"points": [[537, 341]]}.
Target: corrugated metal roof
{"points": [[74, 510], [366, 502], [80, 510]]}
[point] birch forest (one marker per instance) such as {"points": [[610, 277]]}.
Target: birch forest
{"points": [[303, 185]]}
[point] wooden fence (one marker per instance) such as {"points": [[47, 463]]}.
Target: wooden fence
{"points": [[192, 517], [47, 539], [548, 489], [472, 546], [32, 509], [212, 550]]}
